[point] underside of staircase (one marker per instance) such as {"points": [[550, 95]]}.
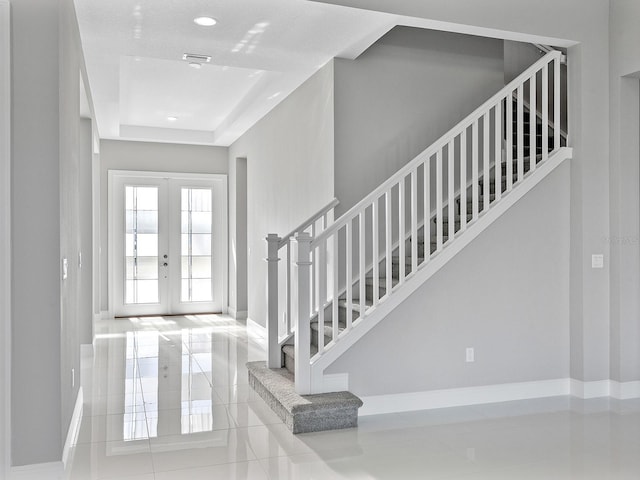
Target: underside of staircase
{"points": [[423, 248]]}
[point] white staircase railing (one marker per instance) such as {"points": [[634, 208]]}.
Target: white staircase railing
{"points": [[415, 215], [279, 302]]}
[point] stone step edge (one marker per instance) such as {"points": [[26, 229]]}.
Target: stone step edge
{"points": [[303, 413]]}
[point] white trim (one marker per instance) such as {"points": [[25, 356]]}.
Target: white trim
{"points": [[457, 397], [237, 314], [39, 471], [605, 388], [221, 246], [625, 390], [580, 389], [5, 236], [74, 427], [255, 329]]}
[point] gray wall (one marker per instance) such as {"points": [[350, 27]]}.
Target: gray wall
{"points": [[85, 214], [624, 238], [588, 112], [150, 157], [401, 95], [506, 295], [75, 215], [289, 174], [238, 252], [36, 323]]}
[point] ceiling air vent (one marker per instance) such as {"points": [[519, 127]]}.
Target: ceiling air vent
{"points": [[197, 58]]}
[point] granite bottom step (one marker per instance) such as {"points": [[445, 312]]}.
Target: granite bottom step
{"points": [[303, 413]]}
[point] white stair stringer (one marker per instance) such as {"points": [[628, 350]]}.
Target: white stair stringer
{"points": [[426, 270]]}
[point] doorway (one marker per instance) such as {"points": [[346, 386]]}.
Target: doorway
{"points": [[167, 243]]}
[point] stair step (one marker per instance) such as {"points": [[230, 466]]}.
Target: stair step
{"points": [[328, 333], [356, 304], [303, 413]]}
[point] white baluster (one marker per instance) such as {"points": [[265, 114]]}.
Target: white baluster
{"points": [[322, 292], [520, 137], [274, 354], [533, 122], [314, 273], [439, 233], [303, 335], [556, 103], [375, 249], [335, 313], [474, 170], [426, 172], [414, 221], [545, 112], [486, 173], [388, 224], [463, 180], [349, 273], [509, 128], [401, 230], [498, 149], [362, 246], [289, 281], [451, 199]]}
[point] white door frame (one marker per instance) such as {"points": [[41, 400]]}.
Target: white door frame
{"points": [[5, 237], [113, 174]]}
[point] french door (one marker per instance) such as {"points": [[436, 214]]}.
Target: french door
{"points": [[167, 243]]}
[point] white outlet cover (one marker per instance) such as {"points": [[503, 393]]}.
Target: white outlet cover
{"points": [[65, 268], [470, 354], [597, 261]]}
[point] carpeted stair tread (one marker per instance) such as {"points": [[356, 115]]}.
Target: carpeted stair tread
{"points": [[303, 413]]}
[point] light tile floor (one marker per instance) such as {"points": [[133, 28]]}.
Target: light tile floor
{"points": [[167, 398]]}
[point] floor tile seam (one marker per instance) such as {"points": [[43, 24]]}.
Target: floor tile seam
{"points": [[216, 464]]}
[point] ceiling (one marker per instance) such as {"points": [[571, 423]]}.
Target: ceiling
{"points": [[261, 50]]}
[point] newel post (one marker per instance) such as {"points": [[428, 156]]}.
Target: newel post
{"points": [[274, 355], [302, 313]]}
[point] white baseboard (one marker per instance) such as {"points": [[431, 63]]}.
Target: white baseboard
{"points": [[40, 471], [74, 427], [457, 397], [237, 314], [255, 329], [605, 388], [625, 390], [580, 389]]}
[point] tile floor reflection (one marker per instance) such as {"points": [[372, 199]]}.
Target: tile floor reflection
{"points": [[168, 398]]}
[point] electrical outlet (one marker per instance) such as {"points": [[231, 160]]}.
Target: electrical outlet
{"points": [[470, 355]]}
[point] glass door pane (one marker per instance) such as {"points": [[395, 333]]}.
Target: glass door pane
{"points": [[196, 212], [141, 245]]}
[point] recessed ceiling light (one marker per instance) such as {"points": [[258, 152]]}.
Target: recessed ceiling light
{"points": [[205, 21], [172, 119]]}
